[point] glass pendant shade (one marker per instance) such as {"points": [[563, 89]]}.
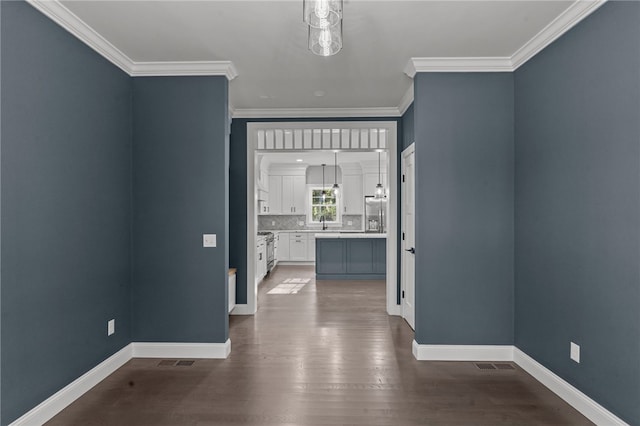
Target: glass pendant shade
{"points": [[379, 190], [325, 41], [322, 13], [335, 188]]}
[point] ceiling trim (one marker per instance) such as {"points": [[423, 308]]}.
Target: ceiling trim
{"points": [[316, 112], [193, 68], [62, 16], [406, 100], [470, 64], [575, 13]]}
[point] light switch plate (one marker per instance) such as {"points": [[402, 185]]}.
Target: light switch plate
{"points": [[300, 223], [111, 327], [208, 240], [575, 352]]}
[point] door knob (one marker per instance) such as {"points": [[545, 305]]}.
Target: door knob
{"points": [[412, 250]]}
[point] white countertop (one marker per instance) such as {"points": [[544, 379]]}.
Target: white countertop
{"points": [[350, 235]]}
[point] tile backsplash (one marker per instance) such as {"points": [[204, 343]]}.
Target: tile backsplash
{"points": [[292, 222]]}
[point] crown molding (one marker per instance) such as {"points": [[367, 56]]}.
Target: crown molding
{"points": [[316, 112], [575, 13], [406, 100], [62, 16], [498, 64], [186, 68]]}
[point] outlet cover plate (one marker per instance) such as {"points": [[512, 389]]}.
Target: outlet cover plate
{"points": [[575, 352], [209, 240], [111, 327]]}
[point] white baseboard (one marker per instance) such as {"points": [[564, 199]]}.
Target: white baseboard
{"points": [[462, 352], [181, 350], [74, 390], [394, 309], [578, 400], [242, 309]]}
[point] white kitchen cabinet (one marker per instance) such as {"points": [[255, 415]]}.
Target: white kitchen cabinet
{"points": [[275, 195], [352, 194], [283, 246], [293, 194], [311, 248], [298, 246], [371, 180]]}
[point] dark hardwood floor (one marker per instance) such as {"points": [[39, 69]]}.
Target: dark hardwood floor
{"points": [[327, 355]]}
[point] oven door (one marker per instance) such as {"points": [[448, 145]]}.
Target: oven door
{"points": [[269, 255]]}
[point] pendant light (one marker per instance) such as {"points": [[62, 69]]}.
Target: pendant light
{"points": [[379, 187], [321, 13], [336, 187]]}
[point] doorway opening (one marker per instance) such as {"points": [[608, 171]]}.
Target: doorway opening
{"points": [[287, 138]]}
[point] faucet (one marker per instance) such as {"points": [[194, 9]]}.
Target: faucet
{"points": [[324, 223]]}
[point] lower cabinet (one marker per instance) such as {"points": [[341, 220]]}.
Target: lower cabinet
{"points": [[351, 258], [298, 246]]}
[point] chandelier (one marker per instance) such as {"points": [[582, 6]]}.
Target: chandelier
{"points": [[324, 18]]}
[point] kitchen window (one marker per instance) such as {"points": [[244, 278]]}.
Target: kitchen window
{"points": [[323, 204]]}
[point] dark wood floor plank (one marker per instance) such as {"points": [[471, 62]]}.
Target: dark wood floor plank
{"points": [[328, 355]]}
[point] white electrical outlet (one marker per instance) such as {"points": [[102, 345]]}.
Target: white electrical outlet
{"points": [[111, 327], [575, 352], [301, 223], [208, 240], [349, 222], [273, 223]]}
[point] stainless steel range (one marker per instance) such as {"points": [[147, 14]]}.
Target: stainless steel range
{"points": [[269, 242]]}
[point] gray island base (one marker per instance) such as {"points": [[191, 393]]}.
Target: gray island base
{"points": [[346, 256]]}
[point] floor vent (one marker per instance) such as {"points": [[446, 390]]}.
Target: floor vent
{"points": [[504, 366], [493, 366], [176, 363], [484, 366]]}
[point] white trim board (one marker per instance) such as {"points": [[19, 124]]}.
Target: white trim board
{"points": [[462, 352], [57, 402], [62, 16], [182, 350], [574, 397], [575, 13]]}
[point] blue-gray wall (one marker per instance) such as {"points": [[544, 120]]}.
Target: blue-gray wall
{"points": [[577, 207], [66, 208], [238, 191], [464, 208], [180, 191], [408, 129]]}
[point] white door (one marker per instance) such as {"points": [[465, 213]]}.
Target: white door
{"points": [[408, 236]]}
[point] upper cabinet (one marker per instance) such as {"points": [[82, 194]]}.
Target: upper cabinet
{"points": [[275, 195], [293, 194], [352, 199]]}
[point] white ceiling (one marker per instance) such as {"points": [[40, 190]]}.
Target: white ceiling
{"points": [[267, 42]]}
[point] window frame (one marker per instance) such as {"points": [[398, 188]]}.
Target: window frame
{"points": [[309, 205]]}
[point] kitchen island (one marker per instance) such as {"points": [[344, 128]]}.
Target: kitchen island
{"points": [[351, 256]]}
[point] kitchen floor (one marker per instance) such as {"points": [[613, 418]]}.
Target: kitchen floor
{"points": [[325, 353]]}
